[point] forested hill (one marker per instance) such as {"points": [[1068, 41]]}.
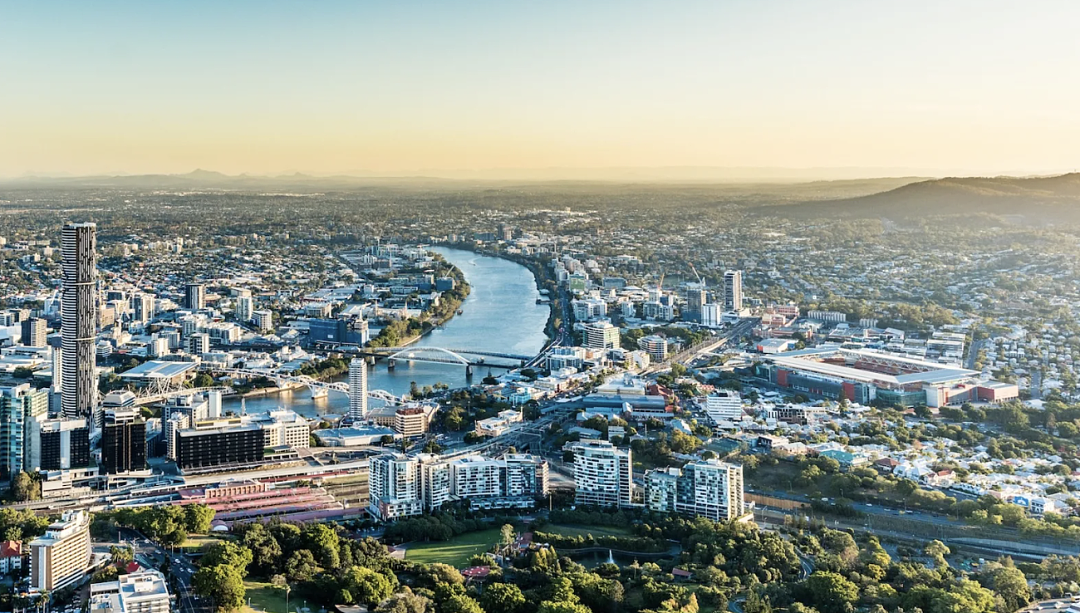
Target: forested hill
{"points": [[1037, 200]]}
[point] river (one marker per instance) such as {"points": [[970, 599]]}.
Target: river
{"points": [[500, 315]]}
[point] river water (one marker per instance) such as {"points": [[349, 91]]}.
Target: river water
{"points": [[500, 315]]}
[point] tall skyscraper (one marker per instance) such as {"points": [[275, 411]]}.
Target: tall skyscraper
{"points": [[733, 290], [79, 248], [358, 390], [33, 332], [196, 296]]}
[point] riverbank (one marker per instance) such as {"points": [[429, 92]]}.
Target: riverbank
{"points": [[397, 333], [541, 277]]}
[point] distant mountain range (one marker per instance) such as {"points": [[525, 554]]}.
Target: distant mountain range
{"points": [[1036, 199]]}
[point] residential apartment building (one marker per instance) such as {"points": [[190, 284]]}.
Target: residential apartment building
{"points": [[603, 474], [705, 488], [62, 556], [19, 406], [395, 484]]}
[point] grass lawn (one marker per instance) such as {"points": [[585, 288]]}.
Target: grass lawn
{"points": [[195, 542], [455, 552], [571, 530], [266, 597]]}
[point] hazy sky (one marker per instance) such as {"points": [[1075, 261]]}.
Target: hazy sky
{"points": [[89, 87]]}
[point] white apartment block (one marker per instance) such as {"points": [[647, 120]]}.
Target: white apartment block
{"points": [[705, 488], [395, 485], [724, 405], [603, 474]]}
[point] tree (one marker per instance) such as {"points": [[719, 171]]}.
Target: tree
{"points": [[25, 488], [502, 598], [434, 574], [506, 534], [406, 602], [301, 566], [832, 592], [460, 603], [549, 606], [202, 380], [197, 518], [367, 586], [222, 584], [1011, 584], [227, 553], [937, 552], [322, 540], [121, 556]]}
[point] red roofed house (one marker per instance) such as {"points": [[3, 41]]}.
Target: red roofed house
{"points": [[10, 556]]}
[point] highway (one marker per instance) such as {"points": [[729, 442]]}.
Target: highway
{"points": [[688, 356]]}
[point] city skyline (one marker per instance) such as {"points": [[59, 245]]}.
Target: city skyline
{"points": [[425, 89]]}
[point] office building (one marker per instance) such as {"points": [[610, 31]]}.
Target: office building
{"points": [[733, 297], [704, 488], [724, 406], [142, 308], [144, 591], [695, 301], [195, 296], [281, 428], [601, 335], [501, 423], [343, 331], [62, 556], [34, 332], [395, 484], [65, 443], [217, 442], [358, 398], [123, 441], [412, 421], [603, 474], [19, 405], [79, 329]]}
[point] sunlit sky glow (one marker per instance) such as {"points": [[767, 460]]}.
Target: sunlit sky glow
{"points": [[268, 87]]}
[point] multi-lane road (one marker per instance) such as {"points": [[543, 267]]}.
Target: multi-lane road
{"points": [[149, 554]]}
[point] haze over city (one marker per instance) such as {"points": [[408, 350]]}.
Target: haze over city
{"points": [[548, 90]]}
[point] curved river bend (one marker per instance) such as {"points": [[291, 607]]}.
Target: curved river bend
{"points": [[500, 315]]}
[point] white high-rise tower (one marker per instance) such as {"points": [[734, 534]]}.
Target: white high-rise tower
{"points": [[733, 297], [357, 390], [79, 329]]}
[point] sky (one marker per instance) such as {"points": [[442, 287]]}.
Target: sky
{"points": [[427, 87]]}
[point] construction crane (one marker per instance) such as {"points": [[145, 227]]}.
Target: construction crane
{"points": [[694, 270]]}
